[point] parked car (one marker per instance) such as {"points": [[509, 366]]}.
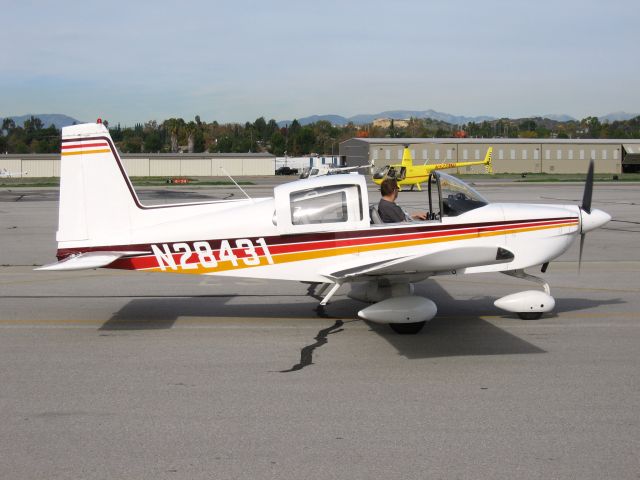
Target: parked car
{"points": [[286, 171]]}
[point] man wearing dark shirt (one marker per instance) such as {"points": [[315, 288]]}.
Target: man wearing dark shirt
{"points": [[389, 211]]}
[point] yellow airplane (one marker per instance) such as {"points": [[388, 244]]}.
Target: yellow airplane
{"points": [[406, 173]]}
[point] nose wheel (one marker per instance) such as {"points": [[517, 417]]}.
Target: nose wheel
{"points": [[530, 304]]}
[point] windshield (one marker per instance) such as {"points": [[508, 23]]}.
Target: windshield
{"points": [[381, 172], [390, 171], [457, 196]]}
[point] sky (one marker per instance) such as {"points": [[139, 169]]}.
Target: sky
{"points": [[234, 61]]}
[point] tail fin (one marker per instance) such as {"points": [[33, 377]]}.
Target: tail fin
{"points": [[488, 167], [96, 196], [407, 159]]}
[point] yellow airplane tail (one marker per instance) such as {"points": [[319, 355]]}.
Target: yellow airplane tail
{"points": [[407, 159], [487, 161]]}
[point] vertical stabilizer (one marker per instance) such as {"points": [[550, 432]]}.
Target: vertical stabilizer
{"points": [[407, 159], [96, 197], [488, 167]]}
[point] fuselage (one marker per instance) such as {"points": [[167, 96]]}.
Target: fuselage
{"points": [[243, 240]]}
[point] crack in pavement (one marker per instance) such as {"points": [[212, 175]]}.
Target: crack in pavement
{"points": [[306, 354]]}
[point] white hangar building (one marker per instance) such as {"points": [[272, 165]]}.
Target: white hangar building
{"points": [[155, 164], [510, 155]]}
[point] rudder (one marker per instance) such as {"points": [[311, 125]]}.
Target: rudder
{"points": [[96, 196]]}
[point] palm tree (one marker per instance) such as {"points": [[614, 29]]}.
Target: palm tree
{"points": [[190, 129], [174, 126]]}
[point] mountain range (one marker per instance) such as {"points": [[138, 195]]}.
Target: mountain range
{"points": [[60, 120], [57, 119], [363, 119]]}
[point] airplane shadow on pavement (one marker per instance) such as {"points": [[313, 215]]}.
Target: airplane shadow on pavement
{"points": [[442, 337], [457, 330]]}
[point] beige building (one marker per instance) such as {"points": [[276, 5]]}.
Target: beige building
{"points": [[510, 155], [386, 123], [155, 165]]}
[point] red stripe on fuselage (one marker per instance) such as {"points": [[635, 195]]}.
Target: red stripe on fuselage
{"points": [[332, 239], [83, 145], [150, 261]]}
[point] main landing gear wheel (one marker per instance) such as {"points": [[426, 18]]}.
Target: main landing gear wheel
{"points": [[407, 328], [530, 315], [530, 304]]}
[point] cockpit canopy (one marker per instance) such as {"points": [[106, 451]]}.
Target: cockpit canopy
{"points": [[340, 202], [448, 195], [309, 172], [455, 196], [390, 171]]}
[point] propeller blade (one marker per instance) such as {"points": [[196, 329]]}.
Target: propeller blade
{"points": [[582, 235], [588, 189]]}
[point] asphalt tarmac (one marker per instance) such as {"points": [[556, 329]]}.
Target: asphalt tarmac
{"points": [[110, 374]]}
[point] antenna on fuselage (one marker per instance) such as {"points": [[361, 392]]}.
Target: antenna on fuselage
{"points": [[235, 183]]}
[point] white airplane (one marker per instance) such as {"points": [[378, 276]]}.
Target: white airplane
{"points": [[4, 173], [316, 230], [320, 170]]}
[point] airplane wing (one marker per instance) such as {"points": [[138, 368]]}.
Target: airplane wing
{"points": [[88, 260], [430, 264], [348, 169]]}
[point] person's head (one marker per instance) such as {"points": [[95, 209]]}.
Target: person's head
{"points": [[389, 188]]}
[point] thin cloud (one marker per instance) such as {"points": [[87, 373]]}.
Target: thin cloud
{"points": [[236, 61]]}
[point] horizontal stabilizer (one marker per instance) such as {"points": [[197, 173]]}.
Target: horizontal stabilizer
{"points": [[86, 261], [442, 261]]}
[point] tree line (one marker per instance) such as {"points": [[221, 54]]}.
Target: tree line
{"points": [[32, 137], [177, 135]]}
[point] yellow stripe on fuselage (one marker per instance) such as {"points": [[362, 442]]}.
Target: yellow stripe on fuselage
{"points": [[300, 256], [352, 249], [86, 152]]}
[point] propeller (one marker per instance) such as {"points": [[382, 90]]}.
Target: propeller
{"points": [[586, 207], [588, 190], [582, 235]]}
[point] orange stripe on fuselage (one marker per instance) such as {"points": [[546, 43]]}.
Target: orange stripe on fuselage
{"points": [[336, 251], [86, 152]]}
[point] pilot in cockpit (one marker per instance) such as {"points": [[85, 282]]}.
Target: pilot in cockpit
{"points": [[389, 211]]}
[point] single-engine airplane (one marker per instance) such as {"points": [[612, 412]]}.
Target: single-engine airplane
{"points": [[4, 173], [317, 230], [406, 173], [320, 170]]}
